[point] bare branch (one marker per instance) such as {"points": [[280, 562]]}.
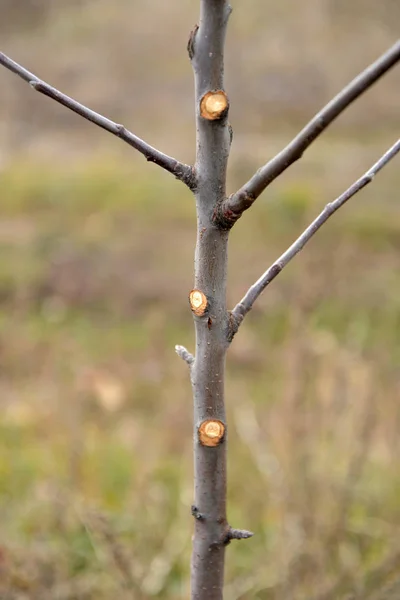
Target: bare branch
{"points": [[184, 354], [181, 171], [236, 204], [246, 303], [208, 300]]}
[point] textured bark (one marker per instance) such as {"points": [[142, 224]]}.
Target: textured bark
{"points": [[206, 48]]}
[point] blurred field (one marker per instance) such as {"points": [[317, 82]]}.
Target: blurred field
{"points": [[96, 259]]}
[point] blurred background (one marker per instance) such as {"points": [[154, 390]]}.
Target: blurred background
{"points": [[96, 261]]}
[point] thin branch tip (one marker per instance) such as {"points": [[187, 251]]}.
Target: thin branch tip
{"points": [[184, 354], [247, 302], [237, 534], [189, 178], [181, 171], [236, 204]]}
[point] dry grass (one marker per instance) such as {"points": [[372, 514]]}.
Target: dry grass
{"points": [[95, 265], [128, 60], [95, 487]]}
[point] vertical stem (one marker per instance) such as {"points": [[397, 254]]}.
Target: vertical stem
{"points": [[206, 49]]}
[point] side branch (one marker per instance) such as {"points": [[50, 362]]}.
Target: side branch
{"points": [[181, 171], [246, 303], [234, 206]]}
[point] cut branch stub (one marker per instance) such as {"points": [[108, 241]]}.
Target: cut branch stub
{"points": [[214, 105], [211, 432], [198, 302]]}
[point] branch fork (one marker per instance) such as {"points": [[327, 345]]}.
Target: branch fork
{"points": [[234, 206], [247, 302]]}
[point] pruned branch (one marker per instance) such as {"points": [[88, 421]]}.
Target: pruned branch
{"points": [[181, 171], [236, 204], [246, 303]]}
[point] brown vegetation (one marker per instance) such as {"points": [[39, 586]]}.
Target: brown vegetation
{"points": [[95, 485]]}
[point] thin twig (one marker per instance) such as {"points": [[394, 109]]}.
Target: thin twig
{"points": [[184, 354], [246, 303], [181, 171], [236, 204], [237, 534]]}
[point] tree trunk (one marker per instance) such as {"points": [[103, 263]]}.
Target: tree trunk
{"points": [[208, 302]]}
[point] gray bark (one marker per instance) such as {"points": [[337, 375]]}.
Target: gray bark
{"points": [[206, 48]]}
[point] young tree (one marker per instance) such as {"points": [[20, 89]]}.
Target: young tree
{"points": [[215, 325]]}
